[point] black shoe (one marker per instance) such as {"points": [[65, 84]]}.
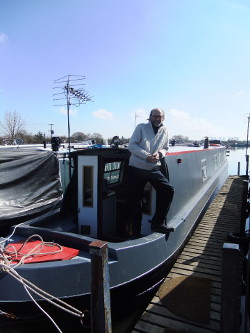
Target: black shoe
{"points": [[162, 229], [156, 222]]}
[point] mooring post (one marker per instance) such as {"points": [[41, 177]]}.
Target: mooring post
{"points": [[100, 288], [231, 284]]}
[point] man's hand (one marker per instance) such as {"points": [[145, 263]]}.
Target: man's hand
{"points": [[153, 158]]}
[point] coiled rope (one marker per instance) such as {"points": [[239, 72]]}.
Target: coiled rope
{"points": [[35, 251], [9, 253]]}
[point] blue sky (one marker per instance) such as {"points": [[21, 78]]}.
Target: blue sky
{"points": [[189, 57]]}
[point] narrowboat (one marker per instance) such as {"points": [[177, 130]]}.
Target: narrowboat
{"points": [[94, 207]]}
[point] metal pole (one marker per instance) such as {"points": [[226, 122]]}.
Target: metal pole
{"points": [[74, 97], [51, 131], [68, 106], [247, 157], [247, 164], [100, 288]]}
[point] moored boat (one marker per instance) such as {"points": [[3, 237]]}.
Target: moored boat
{"points": [[95, 208], [29, 185]]}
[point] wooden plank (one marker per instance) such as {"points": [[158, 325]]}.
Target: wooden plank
{"points": [[209, 245], [168, 323], [217, 241], [212, 232], [202, 256], [158, 308], [196, 242], [212, 236], [147, 327], [185, 257], [215, 285], [208, 240], [215, 302], [201, 249], [199, 269]]}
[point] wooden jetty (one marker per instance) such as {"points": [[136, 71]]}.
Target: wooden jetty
{"points": [[190, 298]]}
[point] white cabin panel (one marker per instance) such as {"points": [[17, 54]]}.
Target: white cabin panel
{"points": [[87, 195]]}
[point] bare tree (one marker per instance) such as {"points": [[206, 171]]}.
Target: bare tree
{"points": [[180, 138], [12, 124], [97, 138], [79, 136]]}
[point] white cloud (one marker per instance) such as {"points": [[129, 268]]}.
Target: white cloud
{"points": [[180, 122], [64, 111], [179, 114], [142, 113], [3, 38], [103, 114]]}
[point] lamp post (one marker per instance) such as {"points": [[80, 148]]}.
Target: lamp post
{"points": [[51, 130]]}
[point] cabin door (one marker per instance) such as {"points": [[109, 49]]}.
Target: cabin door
{"points": [[111, 171], [88, 195]]}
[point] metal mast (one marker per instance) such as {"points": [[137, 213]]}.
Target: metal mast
{"points": [[70, 87]]}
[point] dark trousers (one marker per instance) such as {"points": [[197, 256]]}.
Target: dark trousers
{"points": [[137, 179]]}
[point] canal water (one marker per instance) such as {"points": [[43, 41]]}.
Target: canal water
{"points": [[237, 161]]}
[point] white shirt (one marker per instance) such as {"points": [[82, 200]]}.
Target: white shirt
{"points": [[144, 142]]}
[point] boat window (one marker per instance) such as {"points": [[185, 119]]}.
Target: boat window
{"points": [[113, 172], [216, 161], [88, 173], [204, 169]]}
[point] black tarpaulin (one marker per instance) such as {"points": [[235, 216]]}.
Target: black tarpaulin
{"points": [[29, 183]]}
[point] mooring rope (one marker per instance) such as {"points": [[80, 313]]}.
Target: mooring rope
{"points": [[6, 257], [45, 313], [35, 251]]}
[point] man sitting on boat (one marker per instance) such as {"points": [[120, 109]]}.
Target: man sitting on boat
{"points": [[148, 144]]}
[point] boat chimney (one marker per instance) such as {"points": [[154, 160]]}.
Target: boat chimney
{"points": [[206, 143], [55, 143]]}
